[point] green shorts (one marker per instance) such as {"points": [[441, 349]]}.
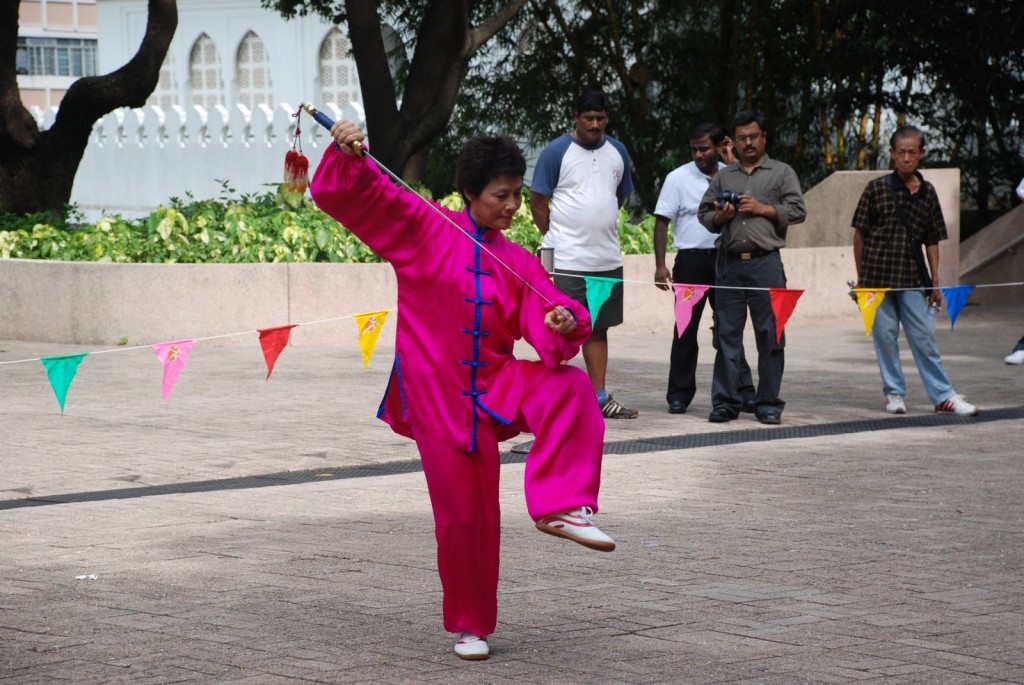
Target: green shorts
{"points": [[572, 284]]}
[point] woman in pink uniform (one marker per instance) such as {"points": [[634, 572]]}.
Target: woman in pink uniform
{"points": [[455, 387]]}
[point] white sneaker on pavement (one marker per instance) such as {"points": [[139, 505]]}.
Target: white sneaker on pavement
{"points": [[894, 404], [957, 405], [1015, 358], [472, 647], [577, 525]]}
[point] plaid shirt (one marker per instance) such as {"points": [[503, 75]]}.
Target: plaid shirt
{"points": [[888, 261]]}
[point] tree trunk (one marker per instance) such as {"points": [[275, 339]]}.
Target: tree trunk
{"points": [[445, 43], [37, 168]]}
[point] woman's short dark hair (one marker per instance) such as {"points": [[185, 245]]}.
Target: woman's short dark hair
{"points": [[485, 158]]}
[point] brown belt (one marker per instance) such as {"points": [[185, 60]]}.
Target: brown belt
{"points": [[750, 254]]}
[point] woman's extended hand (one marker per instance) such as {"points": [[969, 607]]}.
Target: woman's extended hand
{"points": [[561, 320], [346, 134]]}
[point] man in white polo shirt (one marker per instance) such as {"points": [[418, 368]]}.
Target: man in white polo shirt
{"points": [[695, 260], [579, 184]]}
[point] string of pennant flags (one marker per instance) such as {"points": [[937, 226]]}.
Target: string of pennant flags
{"points": [[173, 355]]}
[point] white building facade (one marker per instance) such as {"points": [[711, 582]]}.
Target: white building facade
{"points": [[233, 76]]}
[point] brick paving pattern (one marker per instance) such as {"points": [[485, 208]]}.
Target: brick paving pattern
{"points": [[816, 555]]}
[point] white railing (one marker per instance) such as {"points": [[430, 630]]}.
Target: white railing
{"points": [[137, 159]]}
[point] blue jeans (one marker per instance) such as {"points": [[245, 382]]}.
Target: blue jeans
{"points": [[910, 308]]}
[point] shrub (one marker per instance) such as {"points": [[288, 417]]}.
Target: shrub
{"points": [[268, 227]]}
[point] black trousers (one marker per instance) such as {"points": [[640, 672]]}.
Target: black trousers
{"points": [[731, 319], [698, 268]]}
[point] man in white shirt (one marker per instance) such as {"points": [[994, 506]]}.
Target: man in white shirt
{"points": [[695, 260], [579, 184]]}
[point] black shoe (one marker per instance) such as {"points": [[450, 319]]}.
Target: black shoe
{"points": [[750, 406], [676, 407], [720, 415], [770, 417]]}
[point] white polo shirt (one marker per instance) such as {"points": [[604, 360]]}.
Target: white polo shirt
{"points": [[678, 201], [583, 184]]}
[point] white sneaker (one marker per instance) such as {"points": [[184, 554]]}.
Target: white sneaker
{"points": [[472, 647], [957, 405], [1015, 358], [894, 404], [577, 525]]}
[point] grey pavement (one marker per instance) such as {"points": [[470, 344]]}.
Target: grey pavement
{"points": [[276, 532]]}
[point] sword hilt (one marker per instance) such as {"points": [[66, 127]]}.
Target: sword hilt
{"points": [[325, 121]]}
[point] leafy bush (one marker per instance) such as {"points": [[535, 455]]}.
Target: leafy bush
{"points": [[268, 227]]}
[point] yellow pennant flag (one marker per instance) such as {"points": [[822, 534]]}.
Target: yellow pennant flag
{"points": [[868, 301], [369, 330]]}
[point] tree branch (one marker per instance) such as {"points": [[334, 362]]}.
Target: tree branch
{"points": [[90, 98], [487, 28]]}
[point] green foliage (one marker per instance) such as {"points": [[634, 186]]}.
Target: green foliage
{"points": [[269, 227]]}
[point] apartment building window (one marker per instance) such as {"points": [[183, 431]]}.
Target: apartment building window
{"points": [[56, 57]]}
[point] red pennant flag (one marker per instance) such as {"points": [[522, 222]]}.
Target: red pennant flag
{"points": [[273, 340], [783, 304]]}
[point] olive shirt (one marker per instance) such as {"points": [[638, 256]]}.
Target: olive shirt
{"points": [[773, 183], [894, 222]]}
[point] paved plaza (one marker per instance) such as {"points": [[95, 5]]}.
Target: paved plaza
{"points": [[271, 533]]}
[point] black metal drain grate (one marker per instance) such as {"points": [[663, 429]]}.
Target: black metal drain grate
{"points": [[518, 455]]}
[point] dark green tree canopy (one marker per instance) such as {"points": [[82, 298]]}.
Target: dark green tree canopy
{"points": [[834, 78]]}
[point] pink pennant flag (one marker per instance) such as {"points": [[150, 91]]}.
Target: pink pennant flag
{"points": [[273, 341], [173, 356], [687, 295], [783, 304]]}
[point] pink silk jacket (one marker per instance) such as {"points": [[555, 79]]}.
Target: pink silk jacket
{"points": [[459, 311]]}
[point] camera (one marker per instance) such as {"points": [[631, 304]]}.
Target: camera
{"points": [[728, 196]]}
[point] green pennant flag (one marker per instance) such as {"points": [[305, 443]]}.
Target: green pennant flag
{"points": [[61, 371], [598, 290]]}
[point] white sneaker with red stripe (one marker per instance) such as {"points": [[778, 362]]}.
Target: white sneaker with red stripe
{"points": [[956, 405], [577, 525], [472, 647]]}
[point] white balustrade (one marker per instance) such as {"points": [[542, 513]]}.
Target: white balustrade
{"points": [[137, 159]]}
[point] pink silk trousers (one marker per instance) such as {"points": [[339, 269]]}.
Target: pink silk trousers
{"points": [[563, 471]]}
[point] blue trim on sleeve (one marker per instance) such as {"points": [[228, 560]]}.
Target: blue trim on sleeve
{"points": [[549, 165]]}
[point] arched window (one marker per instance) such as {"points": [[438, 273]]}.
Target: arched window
{"points": [[254, 86], [166, 93], [204, 73], [339, 82]]}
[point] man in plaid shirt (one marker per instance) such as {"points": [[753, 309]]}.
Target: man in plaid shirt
{"points": [[896, 215]]}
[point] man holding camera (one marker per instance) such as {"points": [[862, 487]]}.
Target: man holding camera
{"points": [[751, 204], [695, 259]]}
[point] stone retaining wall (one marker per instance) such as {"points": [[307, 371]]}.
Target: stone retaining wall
{"points": [[100, 303]]}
